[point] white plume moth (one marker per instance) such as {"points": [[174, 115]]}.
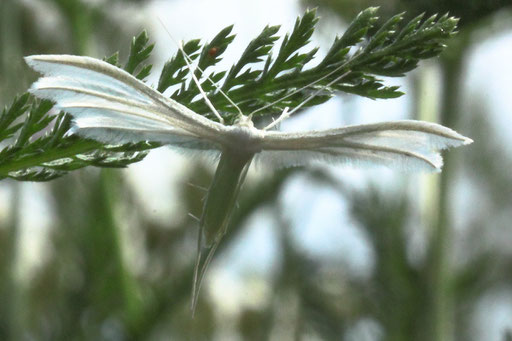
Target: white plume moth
{"points": [[111, 106]]}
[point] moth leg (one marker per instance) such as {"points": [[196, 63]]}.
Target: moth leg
{"points": [[284, 115], [193, 217], [202, 188]]}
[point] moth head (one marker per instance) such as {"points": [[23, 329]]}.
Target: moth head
{"points": [[244, 121]]}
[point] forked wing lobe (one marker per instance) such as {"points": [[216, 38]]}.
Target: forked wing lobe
{"points": [[110, 105], [408, 145]]}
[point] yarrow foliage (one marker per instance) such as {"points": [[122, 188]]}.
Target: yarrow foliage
{"points": [[35, 145]]}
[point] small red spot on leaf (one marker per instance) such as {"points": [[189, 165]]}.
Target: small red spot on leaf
{"points": [[212, 52]]}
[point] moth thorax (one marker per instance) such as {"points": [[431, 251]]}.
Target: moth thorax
{"points": [[246, 138], [244, 121]]}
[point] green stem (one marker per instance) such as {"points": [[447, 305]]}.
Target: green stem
{"points": [[10, 51], [443, 315], [121, 286], [10, 314], [78, 15]]}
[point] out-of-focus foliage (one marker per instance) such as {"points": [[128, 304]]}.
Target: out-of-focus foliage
{"points": [[469, 12], [110, 273], [449, 291]]}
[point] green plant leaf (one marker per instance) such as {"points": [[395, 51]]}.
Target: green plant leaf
{"points": [[38, 148], [139, 53]]}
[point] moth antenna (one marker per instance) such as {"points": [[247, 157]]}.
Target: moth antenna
{"points": [[194, 78], [305, 87], [186, 56], [314, 94], [188, 60], [285, 114]]}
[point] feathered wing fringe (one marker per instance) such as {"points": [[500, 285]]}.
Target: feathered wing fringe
{"points": [[110, 105], [407, 145]]}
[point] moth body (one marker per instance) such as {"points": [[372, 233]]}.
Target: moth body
{"points": [[245, 138]]}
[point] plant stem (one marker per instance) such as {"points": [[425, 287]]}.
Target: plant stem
{"points": [[443, 315]]}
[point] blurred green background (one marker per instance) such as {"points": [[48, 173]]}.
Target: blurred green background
{"points": [[312, 254]]}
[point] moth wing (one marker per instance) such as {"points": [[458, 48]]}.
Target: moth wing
{"points": [[408, 145], [110, 105]]}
